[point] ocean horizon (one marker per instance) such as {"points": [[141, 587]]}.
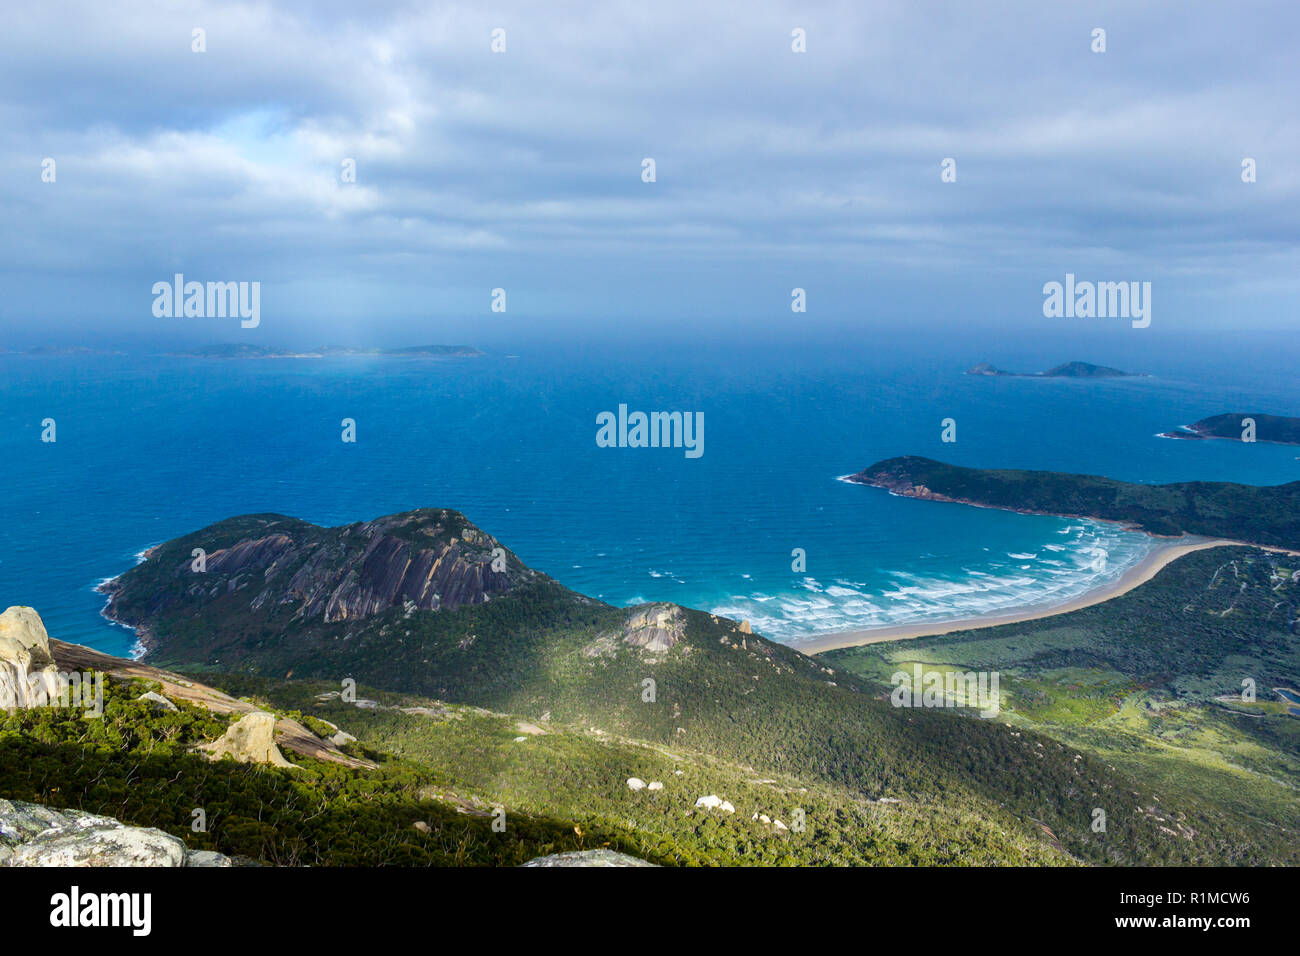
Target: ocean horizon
{"points": [[150, 447]]}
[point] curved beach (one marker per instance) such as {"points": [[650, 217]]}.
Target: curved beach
{"points": [[1140, 573]]}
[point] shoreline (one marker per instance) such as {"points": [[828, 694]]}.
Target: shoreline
{"points": [[1165, 552]]}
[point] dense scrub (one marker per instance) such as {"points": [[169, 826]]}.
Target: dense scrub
{"points": [[1249, 513]]}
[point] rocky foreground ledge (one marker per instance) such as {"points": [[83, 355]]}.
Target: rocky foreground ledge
{"points": [[33, 835]]}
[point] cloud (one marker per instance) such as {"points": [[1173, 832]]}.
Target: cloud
{"points": [[477, 169]]}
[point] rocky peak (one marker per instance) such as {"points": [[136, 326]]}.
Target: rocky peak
{"points": [[428, 559], [23, 638]]}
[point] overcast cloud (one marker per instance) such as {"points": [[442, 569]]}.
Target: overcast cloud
{"points": [[522, 170]]}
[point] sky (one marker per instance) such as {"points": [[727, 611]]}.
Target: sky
{"points": [[523, 170]]}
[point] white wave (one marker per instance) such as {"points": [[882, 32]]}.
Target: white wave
{"points": [[1096, 554]]}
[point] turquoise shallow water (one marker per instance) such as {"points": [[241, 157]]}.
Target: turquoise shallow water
{"points": [[150, 447]]}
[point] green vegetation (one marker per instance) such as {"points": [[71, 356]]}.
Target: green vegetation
{"points": [[1257, 515], [581, 774], [545, 702], [1150, 683], [1269, 428], [136, 764], [545, 654]]}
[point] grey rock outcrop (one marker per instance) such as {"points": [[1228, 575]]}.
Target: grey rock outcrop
{"points": [[158, 700], [588, 858], [251, 739], [28, 674], [35, 835], [656, 627], [428, 560]]}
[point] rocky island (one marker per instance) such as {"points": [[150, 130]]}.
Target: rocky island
{"points": [[1068, 370], [1234, 426], [247, 351], [1267, 515]]}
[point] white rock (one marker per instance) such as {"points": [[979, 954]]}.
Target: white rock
{"points": [[635, 783], [588, 858], [780, 826], [157, 699], [709, 802], [28, 674], [35, 835], [764, 818], [726, 807], [654, 785], [206, 858]]}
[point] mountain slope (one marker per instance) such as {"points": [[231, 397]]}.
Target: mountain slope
{"points": [[1153, 682], [669, 676]]}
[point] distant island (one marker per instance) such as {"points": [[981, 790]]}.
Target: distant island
{"points": [[60, 350], [1278, 429], [1068, 370], [1252, 514], [245, 351]]}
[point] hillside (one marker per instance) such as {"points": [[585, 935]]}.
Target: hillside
{"points": [[428, 783], [1151, 682], [1256, 515], [657, 676]]}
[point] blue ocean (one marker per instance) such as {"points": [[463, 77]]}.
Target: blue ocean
{"points": [[150, 447]]}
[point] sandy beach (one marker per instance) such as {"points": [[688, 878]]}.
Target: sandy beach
{"points": [[1140, 573]]}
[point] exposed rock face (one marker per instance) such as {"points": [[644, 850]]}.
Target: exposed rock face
{"points": [[34, 835], [656, 627], [28, 675], [900, 475], [588, 858], [385, 572], [427, 559], [251, 739]]}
